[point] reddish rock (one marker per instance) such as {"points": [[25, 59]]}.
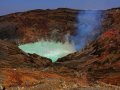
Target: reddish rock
{"points": [[98, 62], [12, 56], [35, 25]]}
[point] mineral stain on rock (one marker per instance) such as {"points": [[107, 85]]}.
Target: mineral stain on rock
{"points": [[97, 66]]}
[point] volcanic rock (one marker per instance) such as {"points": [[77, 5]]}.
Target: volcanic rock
{"points": [[97, 66], [12, 56], [32, 26], [100, 60]]}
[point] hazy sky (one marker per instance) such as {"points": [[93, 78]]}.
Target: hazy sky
{"points": [[11, 6]]}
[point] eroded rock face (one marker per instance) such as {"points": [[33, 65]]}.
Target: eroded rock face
{"points": [[12, 56], [97, 64], [35, 25], [100, 60]]}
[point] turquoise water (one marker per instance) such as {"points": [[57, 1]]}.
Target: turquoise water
{"points": [[49, 49]]}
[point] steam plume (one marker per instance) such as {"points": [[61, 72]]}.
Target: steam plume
{"points": [[89, 23], [88, 27]]}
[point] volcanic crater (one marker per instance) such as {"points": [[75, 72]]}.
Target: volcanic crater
{"points": [[95, 66]]}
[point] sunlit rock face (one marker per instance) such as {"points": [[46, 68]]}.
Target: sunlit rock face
{"points": [[49, 49]]}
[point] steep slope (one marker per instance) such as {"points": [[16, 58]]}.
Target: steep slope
{"points": [[100, 60], [107, 49], [12, 56], [35, 25]]}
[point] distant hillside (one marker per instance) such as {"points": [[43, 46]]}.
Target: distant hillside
{"points": [[96, 67], [35, 25]]}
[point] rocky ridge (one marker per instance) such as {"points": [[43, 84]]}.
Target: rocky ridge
{"points": [[95, 67]]}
